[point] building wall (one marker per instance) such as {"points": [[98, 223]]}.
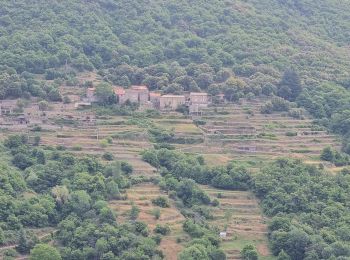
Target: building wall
{"points": [[155, 100], [199, 98], [171, 102], [131, 95], [90, 95], [143, 96]]}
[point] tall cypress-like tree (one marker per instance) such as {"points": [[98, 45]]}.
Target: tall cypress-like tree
{"points": [[290, 85]]}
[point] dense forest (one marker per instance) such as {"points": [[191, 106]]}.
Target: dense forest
{"points": [[53, 188]]}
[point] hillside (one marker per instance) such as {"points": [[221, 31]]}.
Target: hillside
{"points": [[173, 46], [103, 154], [251, 37]]}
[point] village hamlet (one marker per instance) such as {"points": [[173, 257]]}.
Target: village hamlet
{"points": [[194, 101]]}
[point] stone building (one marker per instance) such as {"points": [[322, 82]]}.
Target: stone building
{"points": [[120, 94], [91, 95], [154, 98], [135, 94], [198, 101], [199, 98], [7, 107], [171, 102]]}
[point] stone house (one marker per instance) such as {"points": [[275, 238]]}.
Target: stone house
{"points": [[154, 98], [198, 101], [120, 94], [135, 94], [91, 95], [199, 98], [7, 107], [171, 102]]}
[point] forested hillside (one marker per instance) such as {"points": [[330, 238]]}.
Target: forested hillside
{"points": [[104, 182], [238, 46], [256, 39]]}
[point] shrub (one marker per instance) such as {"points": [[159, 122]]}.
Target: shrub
{"points": [[249, 253], [161, 202], [77, 148], [163, 230], [134, 212], [126, 167], [108, 156], [66, 100], [109, 140], [291, 134], [43, 105], [296, 113], [36, 140], [103, 143], [215, 203], [156, 213], [276, 104]]}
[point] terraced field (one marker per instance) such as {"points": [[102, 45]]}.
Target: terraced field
{"points": [[240, 217], [90, 138], [141, 196], [242, 133]]}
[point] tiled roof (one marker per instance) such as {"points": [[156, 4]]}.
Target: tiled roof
{"points": [[172, 96], [119, 91], [198, 94], [154, 94], [139, 88]]}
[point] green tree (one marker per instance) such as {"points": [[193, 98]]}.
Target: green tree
{"points": [[195, 252], [105, 94], [290, 86], [2, 237], [44, 251], [283, 256], [327, 154], [25, 242], [249, 253], [134, 212]]}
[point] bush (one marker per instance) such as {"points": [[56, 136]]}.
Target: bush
{"points": [[161, 202], [296, 113], [109, 140], [249, 253], [163, 230], [215, 203], [103, 143], [291, 133], [36, 140], [198, 122], [43, 105], [77, 148], [134, 212], [66, 100], [156, 213], [127, 167], [108, 156], [22, 161], [277, 104]]}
